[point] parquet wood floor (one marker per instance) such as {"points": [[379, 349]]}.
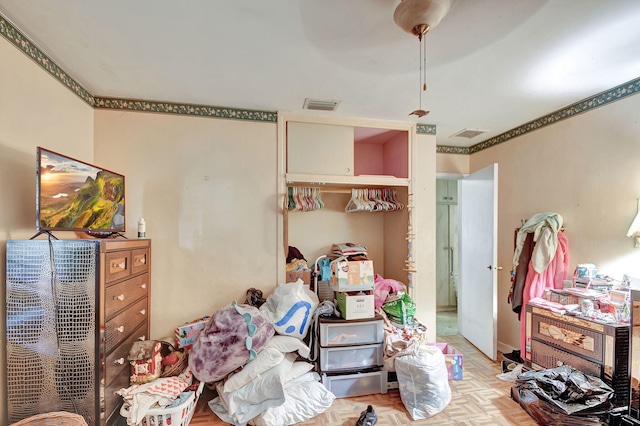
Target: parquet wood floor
{"points": [[479, 399]]}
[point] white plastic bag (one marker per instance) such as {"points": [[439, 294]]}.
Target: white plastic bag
{"points": [[423, 382], [290, 308]]}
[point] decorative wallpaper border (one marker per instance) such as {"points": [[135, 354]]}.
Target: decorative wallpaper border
{"points": [[185, 109], [14, 36], [615, 94], [18, 39], [446, 149], [426, 129]]}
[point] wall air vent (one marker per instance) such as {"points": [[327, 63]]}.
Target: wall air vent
{"points": [[320, 105], [468, 133]]}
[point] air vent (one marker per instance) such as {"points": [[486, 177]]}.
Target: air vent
{"points": [[468, 133], [320, 105]]}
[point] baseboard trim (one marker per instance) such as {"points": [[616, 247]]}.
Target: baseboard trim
{"points": [[504, 348]]}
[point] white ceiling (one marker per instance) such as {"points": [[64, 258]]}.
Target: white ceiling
{"points": [[491, 64]]}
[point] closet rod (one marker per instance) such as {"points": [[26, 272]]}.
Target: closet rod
{"points": [[335, 191]]}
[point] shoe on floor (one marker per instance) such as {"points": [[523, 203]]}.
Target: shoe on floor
{"points": [[368, 417]]}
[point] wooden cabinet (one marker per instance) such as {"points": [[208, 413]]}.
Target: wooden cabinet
{"points": [[336, 157], [446, 191], [596, 349], [337, 151], [74, 308], [125, 283], [319, 149]]}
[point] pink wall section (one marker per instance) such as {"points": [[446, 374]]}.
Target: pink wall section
{"points": [[388, 158]]}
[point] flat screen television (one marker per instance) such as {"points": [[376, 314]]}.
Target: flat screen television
{"points": [[72, 195]]}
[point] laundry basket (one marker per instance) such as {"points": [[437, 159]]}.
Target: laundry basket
{"points": [[180, 415], [55, 418]]}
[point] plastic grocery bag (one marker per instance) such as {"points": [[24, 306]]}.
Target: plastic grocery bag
{"points": [[423, 382], [401, 310], [290, 308]]}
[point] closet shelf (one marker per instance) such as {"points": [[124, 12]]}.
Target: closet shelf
{"points": [[346, 181]]}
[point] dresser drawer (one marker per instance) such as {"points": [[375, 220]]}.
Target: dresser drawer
{"points": [[333, 333], [578, 340], [117, 265], [112, 400], [117, 362], [139, 260], [547, 356], [350, 357], [122, 294], [122, 325]]}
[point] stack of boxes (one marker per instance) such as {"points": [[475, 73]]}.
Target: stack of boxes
{"points": [[351, 348], [353, 282]]}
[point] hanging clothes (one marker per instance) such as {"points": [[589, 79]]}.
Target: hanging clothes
{"points": [[545, 228], [520, 277], [551, 277]]}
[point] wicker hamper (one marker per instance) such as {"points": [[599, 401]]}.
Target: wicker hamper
{"points": [[55, 418]]}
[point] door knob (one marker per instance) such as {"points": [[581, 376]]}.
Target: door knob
{"points": [[499, 268]]}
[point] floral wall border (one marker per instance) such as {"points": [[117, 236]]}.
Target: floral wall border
{"points": [[18, 39], [185, 109], [621, 91]]}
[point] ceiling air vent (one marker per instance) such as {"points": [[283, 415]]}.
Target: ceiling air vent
{"points": [[320, 105], [468, 133]]}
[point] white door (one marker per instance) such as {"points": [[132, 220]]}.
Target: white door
{"points": [[477, 298]]}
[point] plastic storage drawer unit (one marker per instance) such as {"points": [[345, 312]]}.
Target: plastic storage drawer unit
{"points": [[350, 357], [354, 332], [346, 385]]}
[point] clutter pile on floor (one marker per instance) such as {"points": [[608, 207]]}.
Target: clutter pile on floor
{"points": [[259, 358]]}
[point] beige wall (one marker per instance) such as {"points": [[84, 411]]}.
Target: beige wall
{"points": [[586, 168], [452, 163], [35, 110], [207, 190]]}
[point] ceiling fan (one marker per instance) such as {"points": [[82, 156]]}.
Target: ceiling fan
{"points": [[417, 17]]}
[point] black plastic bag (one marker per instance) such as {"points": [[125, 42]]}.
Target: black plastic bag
{"points": [[562, 396]]}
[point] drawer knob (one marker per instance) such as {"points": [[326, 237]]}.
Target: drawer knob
{"points": [[119, 361], [142, 311], [142, 260], [120, 329], [119, 297], [116, 265], [143, 337], [143, 286]]}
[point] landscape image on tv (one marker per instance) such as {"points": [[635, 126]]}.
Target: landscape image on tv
{"points": [[74, 195]]}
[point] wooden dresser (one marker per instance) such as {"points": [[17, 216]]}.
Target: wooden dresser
{"points": [[125, 267], [74, 308], [597, 349]]}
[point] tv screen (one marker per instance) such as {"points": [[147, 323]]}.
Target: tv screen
{"points": [[72, 195]]}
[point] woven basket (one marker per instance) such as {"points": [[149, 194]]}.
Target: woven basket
{"points": [[178, 367], [55, 418]]}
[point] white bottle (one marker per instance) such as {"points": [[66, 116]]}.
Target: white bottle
{"points": [[142, 228]]}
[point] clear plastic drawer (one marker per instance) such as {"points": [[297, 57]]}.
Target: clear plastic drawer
{"points": [[350, 357], [350, 333], [346, 385]]}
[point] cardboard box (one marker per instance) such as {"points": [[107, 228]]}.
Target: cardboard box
{"points": [[453, 359], [187, 334], [354, 306], [352, 275], [293, 276]]}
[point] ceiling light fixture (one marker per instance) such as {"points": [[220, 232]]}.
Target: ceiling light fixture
{"points": [[417, 17]]}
